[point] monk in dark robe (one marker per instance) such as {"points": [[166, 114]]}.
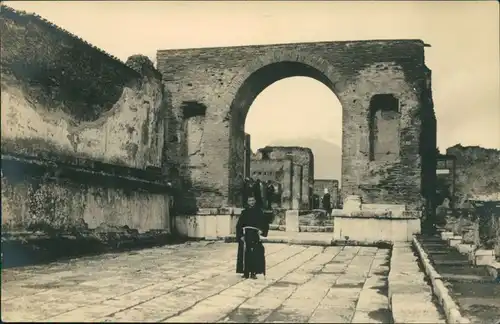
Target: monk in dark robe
{"points": [[251, 259]]}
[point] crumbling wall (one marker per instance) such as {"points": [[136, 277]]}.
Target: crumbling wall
{"points": [[477, 173], [227, 80], [60, 96], [44, 201], [71, 113], [299, 155], [279, 171]]}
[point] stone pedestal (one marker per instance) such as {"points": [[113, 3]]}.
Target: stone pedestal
{"points": [[484, 257], [292, 221], [208, 223], [446, 235], [396, 211], [375, 229], [454, 241]]}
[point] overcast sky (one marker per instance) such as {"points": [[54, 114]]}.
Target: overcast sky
{"points": [[464, 56]]}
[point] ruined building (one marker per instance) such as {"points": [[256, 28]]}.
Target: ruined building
{"points": [[123, 139], [285, 174], [384, 86], [303, 160]]}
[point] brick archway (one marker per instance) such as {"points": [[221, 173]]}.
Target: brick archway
{"points": [[250, 82], [226, 80]]}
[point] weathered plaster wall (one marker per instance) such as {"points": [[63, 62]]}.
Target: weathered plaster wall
{"points": [[61, 96], [38, 203], [70, 113], [227, 80]]}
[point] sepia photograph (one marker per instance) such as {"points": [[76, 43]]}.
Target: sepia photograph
{"points": [[250, 161]]}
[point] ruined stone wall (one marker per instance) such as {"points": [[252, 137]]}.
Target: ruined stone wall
{"points": [[61, 96], [66, 104], [227, 80], [300, 155], [279, 171], [477, 173], [331, 185]]}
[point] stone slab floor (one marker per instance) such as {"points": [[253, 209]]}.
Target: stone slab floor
{"points": [[196, 282]]}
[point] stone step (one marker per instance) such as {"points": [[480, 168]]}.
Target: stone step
{"points": [[451, 262], [466, 278]]}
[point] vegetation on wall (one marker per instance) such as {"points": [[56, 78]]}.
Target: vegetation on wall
{"points": [[57, 69]]}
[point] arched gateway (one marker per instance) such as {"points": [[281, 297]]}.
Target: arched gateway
{"points": [[388, 140]]}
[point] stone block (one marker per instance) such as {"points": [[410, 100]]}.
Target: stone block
{"points": [[394, 210], [447, 235], [292, 220], [484, 257], [224, 225], [454, 241], [210, 225], [375, 229]]}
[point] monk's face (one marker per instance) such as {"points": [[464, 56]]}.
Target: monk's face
{"points": [[251, 201]]}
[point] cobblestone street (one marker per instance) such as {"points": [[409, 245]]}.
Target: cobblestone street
{"points": [[196, 282]]}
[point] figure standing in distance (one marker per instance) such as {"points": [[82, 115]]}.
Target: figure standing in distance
{"points": [[251, 259], [270, 194], [327, 204]]}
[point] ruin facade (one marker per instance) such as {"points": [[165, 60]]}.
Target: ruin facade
{"points": [[302, 156], [285, 174], [384, 86]]}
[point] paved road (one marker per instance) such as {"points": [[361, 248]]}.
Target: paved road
{"points": [[195, 282]]}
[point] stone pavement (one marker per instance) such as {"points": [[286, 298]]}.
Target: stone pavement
{"points": [[196, 282]]}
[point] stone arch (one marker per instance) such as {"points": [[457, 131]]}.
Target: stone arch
{"points": [[250, 82]]}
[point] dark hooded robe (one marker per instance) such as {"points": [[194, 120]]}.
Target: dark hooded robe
{"points": [[251, 253], [327, 203], [270, 195], [257, 193]]}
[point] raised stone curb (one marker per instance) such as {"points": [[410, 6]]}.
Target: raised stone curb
{"points": [[410, 297], [451, 309]]}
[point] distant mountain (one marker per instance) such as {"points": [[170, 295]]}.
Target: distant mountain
{"points": [[327, 156]]}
